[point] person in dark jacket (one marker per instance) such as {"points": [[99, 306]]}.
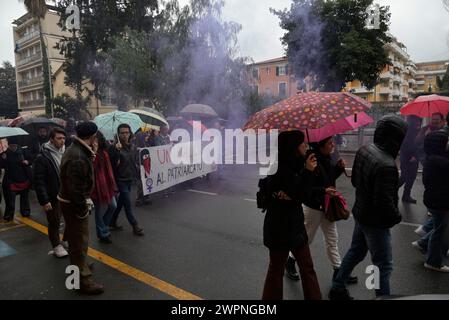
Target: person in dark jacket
{"points": [[436, 195], [17, 179], [77, 184], [436, 123], [46, 184], [323, 182], [124, 162], [409, 158], [41, 139], [284, 228], [375, 178]]}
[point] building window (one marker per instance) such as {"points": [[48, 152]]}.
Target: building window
{"points": [[255, 89], [283, 89], [256, 73], [268, 71], [281, 71]]}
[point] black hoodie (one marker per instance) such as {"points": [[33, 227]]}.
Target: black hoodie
{"points": [[376, 178], [436, 171]]}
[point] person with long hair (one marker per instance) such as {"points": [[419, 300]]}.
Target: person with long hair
{"points": [[105, 189], [284, 229]]}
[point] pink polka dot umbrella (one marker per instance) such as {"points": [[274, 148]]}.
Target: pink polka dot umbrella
{"points": [[321, 114]]}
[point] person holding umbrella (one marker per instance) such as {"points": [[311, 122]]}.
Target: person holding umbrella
{"points": [[17, 179], [283, 229]]}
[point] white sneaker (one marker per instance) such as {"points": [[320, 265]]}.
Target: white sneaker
{"points": [[65, 244], [420, 231], [60, 252], [444, 269], [418, 247]]}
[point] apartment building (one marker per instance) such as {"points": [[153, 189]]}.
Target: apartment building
{"points": [[272, 78], [399, 81], [30, 64], [396, 82], [428, 72]]}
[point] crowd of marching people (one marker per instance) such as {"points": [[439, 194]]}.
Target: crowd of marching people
{"points": [[298, 200], [75, 172]]}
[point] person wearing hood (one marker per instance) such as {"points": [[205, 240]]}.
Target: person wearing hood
{"points": [[284, 229], [436, 195], [47, 183], [375, 178], [16, 181], [409, 158]]}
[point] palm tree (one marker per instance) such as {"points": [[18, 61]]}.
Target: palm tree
{"points": [[37, 9]]}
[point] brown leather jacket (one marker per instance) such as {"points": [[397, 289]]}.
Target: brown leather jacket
{"points": [[77, 176]]}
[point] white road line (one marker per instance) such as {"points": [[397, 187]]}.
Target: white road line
{"points": [[410, 224], [250, 200], [203, 192]]}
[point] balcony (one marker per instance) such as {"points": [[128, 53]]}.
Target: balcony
{"points": [[361, 90], [385, 90], [30, 82], [32, 103], [29, 59], [397, 79], [396, 93], [411, 90], [386, 75], [420, 82], [28, 37]]}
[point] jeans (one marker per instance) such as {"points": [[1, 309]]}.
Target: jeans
{"points": [[378, 243], [428, 226], [273, 288], [103, 216], [124, 200], [435, 242]]}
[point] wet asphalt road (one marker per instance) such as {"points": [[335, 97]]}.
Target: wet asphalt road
{"points": [[206, 239]]}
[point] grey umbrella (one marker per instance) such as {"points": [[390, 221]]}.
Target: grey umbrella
{"points": [[201, 110]]}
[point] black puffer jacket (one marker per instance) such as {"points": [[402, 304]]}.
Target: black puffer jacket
{"points": [[436, 171], [15, 170], [46, 178], [284, 221], [376, 178]]}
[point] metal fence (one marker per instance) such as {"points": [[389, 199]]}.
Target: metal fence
{"points": [[355, 139]]}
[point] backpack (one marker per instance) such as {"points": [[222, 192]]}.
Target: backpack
{"points": [[264, 195]]}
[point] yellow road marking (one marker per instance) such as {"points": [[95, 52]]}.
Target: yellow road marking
{"points": [[132, 272]]}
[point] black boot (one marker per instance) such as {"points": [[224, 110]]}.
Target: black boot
{"points": [[290, 269], [351, 280], [339, 294], [138, 231]]}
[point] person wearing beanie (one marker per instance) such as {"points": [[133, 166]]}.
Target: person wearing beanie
{"points": [[77, 184], [436, 193]]}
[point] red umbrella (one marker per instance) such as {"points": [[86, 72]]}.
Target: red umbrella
{"points": [[311, 111], [425, 106]]}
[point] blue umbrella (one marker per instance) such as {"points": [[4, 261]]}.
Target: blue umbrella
{"points": [[109, 122]]}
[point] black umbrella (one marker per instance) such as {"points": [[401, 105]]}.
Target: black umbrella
{"points": [[33, 124]]}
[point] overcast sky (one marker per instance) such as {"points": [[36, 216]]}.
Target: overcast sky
{"points": [[422, 25]]}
